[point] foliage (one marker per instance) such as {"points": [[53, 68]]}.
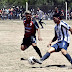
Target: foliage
{"points": [[8, 3]]}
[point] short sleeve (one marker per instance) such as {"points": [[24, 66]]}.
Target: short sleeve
{"points": [[36, 24], [65, 25]]}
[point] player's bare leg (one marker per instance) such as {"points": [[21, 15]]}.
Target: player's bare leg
{"points": [[23, 47]]}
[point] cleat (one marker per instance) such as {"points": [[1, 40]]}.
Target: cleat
{"points": [[37, 61]]}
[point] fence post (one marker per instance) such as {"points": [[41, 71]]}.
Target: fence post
{"points": [[66, 10], [26, 6]]}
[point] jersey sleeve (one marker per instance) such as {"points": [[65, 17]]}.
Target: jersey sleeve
{"points": [[64, 24], [36, 24]]}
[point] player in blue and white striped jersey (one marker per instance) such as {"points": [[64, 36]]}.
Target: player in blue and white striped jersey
{"points": [[62, 35], [61, 30]]}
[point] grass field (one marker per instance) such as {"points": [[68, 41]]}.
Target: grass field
{"points": [[11, 34]]}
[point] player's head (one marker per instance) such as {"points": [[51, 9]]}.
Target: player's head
{"points": [[56, 18], [38, 9], [28, 15], [56, 8]]}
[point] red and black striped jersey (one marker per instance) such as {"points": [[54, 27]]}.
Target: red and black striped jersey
{"points": [[30, 28]]}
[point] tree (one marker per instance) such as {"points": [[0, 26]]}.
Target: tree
{"points": [[8, 3]]}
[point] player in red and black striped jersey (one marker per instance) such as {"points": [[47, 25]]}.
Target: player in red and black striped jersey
{"points": [[30, 30]]}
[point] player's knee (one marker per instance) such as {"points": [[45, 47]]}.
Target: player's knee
{"points": [[63, 51], [23, 48], [34, 44], [51, 50]]}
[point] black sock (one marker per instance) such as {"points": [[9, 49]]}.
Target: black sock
{"points": [[38, 51], [45, 56], [40, 23], [68, 57]]}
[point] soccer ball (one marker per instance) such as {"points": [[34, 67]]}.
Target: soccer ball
{"points": [[30, 60]]}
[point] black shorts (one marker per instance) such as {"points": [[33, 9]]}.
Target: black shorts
{"points": [[28, 41]]}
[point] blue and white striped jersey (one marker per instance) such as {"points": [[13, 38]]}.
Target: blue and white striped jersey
{"points": [[61, 31]]}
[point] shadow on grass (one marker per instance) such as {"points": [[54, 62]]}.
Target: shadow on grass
{"points": [[23, 59], [60, 66]]}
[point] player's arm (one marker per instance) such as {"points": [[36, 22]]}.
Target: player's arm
{"points": [[39, 37], [70, 30], [53, 40], [23, 24], [37, 28]]}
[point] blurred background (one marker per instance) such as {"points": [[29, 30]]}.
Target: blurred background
{"points": [[14, 9]]}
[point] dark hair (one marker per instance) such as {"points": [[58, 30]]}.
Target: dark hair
{"points": [[58, 15]]}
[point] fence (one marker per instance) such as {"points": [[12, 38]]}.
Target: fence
{"points": [[46, 8]]}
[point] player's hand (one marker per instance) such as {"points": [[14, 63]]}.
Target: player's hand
{"points": [[39, 38]]}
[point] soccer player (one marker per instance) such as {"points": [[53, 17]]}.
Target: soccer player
{"points": [[30, 31], [62, 35], [40, 16]]}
